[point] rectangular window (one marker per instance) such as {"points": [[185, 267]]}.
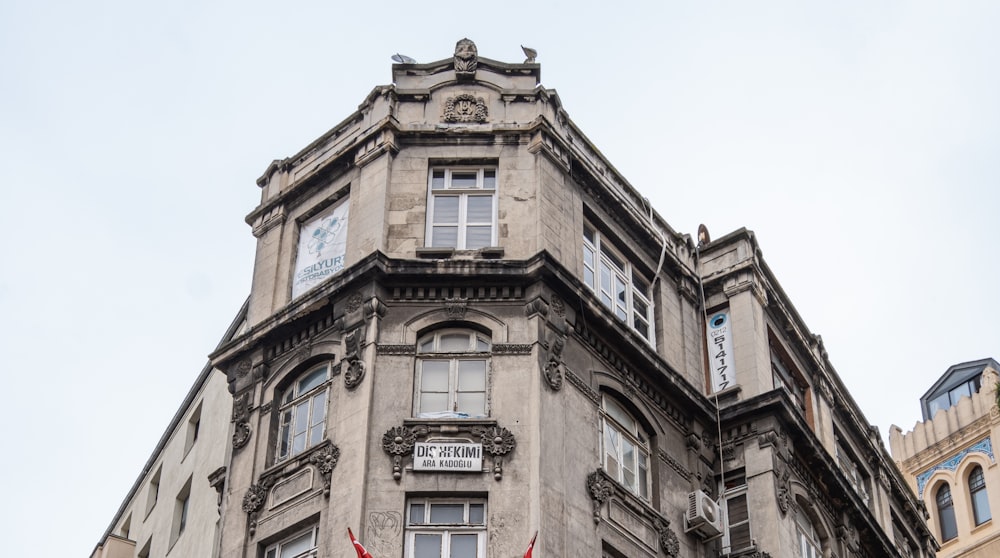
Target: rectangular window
{"points": [[193, 426], [144, 551], [302, 414], [180, 512], [737, 533], [300, 545], [849, 466], [439, 528], [617, 283], [462, 208], [153, 492]]}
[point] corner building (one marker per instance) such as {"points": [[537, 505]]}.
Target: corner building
{"points": [[465, 327], [949, 461]]}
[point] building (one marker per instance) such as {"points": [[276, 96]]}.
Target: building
{"points": [[948, 460], [465, 327], [173, 506]]}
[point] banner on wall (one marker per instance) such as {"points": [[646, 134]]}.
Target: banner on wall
{"points": [[720, 351], [322, 244]]}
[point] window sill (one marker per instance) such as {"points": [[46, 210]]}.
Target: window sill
{"points": [[432, 253]]}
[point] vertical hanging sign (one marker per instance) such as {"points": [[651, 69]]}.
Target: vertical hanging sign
{"points": [[720, 351], [322, 244]]}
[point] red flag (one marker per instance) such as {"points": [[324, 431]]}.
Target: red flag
{"points": [[362, 553], [531, 546]]}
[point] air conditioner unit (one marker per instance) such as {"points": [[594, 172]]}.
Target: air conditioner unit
{"points": [[703, 515]]}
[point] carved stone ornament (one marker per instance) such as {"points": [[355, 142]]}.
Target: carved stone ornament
{"points": [[783, 491], [241, 419], [241, 434], [497, 442], [558, 306], [355, 367], [456, 308], [669, 542], [599, 488], [243, 368], [466, 57], [465, 108], [326, 460], [252, 501], [552, 371], [354, 302], [397, 442], [254, 498]]}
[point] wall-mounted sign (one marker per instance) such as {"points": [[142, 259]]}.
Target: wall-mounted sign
{"points": [[447, 456], [720, 351], [322, 244]]}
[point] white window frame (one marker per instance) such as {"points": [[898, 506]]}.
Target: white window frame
{"points": [[431, 350], [605, 271], [809, 545], [275, 550], [422, 525], [617, 436], [440, 187], [315, 400], [730, 495]]}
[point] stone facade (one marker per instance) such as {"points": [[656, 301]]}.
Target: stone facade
{"points": [[460, 307], [951, 453]]}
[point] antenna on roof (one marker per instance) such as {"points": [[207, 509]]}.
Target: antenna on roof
{"points": [[530, 53], [402, 59]]}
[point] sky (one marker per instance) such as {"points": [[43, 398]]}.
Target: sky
{"points": [[859, 140]]}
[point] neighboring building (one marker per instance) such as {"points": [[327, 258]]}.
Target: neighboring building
{"points": [[948, 459], [173, 507], [465, 326]]}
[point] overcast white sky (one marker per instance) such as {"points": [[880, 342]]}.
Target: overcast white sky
{"points": [[859, 140]]}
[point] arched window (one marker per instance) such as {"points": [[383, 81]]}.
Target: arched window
{"points": [[946, 513], [302, 412], [451, 375], [809, 546], [626, 449], [978, 496]]}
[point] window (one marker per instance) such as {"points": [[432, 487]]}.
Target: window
{"points": [[461, 208], [979, 497], [180, 512], [626, 449], [300, 544], [850, 468], [144, 551], [153, 492], [616, 282], [737, 535], [808, 539], [783, 378], [451, 375], [446, 528], [302, 414], [193, 426], [126, 527], [946, 514], [951, 397]]}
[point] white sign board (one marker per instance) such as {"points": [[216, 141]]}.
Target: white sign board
{"points": [[322, 243], [720, 352], [447, 456]]}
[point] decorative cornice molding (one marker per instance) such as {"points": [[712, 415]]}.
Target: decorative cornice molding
{"points": [[581, 385]]}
